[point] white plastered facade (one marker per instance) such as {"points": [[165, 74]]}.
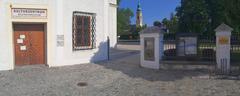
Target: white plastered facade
{"points": [[59, 22]]}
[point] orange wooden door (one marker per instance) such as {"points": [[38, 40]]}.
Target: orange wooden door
{"points": [[29, 44]]}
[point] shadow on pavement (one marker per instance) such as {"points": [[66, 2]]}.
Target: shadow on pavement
{"points": [[129, 64]]}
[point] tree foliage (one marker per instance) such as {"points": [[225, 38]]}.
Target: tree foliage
{"points": [[203, 16], [232, 13], [172, 24], [123, 20], [193, 16], [118, 2], [216, 13], [226, 11]]}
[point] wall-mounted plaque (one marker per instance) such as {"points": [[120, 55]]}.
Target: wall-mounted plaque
{"points": [[26, 13], [22, 36], [60, 40], [23, 48], [149, 48], [19, 41], [223, 40], [187, 46], [191, 45]]}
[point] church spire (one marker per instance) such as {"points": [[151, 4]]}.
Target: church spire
{"points": [[139, 6], [139, 19]]}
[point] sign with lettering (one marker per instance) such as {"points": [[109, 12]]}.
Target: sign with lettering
{"points": [[149, 54], [187, 46], [223, 40], [60, 40], [29, 13]]}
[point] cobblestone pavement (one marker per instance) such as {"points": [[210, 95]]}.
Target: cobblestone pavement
{"points": [[124, 49], [122, 77], [119, 77]]}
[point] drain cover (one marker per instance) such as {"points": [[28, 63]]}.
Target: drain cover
{"points": [[82, 84]]}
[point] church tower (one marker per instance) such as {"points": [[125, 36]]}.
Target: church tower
{"points": [[139, 19]]}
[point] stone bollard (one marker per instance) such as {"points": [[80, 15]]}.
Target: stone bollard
{"points": [[223, 43], [151, 47]]}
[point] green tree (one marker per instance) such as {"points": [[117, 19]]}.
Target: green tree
{"points": [[217, 14], [118, 2], [166, 22], [123, 20], [226, 11], [193, 16], [232, 14], [173, 28], [157, 23], [172, 24], [203, 16]]}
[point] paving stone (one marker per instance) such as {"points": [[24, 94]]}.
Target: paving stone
{"points": [[119, 77]]}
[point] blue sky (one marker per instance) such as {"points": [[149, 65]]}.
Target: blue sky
{"points": [[152, 9]]}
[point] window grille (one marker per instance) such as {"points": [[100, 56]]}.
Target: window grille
{"points": [[83, 30]]}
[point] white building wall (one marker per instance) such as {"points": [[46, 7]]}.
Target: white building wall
{"points": [[6, 47], [7, 60], [59, 22], [37, 2], [58, 52], [70, 57], [112, 21]]}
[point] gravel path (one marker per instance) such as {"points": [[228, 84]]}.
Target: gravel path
{"points": [[121, 77]]}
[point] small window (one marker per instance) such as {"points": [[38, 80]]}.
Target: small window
{"points": [[83, 31]]}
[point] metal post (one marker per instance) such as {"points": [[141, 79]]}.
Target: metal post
{"points": [[108, 48]]}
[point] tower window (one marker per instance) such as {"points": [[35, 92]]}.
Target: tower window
{"points": [[83, 30]]}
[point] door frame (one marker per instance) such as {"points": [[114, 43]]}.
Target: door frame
{"points": [[45, 40]]}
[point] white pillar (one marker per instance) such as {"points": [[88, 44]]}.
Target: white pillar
{"points": [[223, 42], [151, 47]]}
